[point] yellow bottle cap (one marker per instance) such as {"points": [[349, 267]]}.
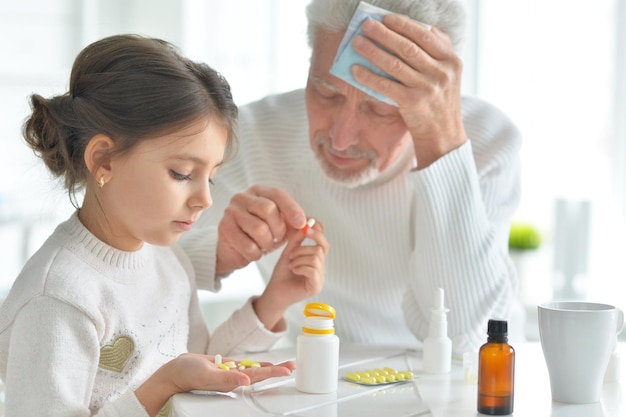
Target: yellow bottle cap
{"points": [[319, 310]]}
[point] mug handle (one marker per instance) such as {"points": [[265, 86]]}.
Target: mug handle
{"points": [[620, 321]]}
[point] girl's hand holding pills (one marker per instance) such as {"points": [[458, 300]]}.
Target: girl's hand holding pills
{"points": [[191, 371]]}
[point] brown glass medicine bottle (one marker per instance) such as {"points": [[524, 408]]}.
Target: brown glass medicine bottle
{"points": [[496, 371]]}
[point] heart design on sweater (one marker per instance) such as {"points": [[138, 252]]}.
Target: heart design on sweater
{"points": [[114, 357]]}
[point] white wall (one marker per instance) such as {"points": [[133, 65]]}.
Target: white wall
{"points": [[38, 42], [554, 67]]}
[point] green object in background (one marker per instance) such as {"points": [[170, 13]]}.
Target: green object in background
{"points": [[524, 236]]}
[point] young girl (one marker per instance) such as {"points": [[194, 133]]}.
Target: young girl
{"points": [[101, 318]]}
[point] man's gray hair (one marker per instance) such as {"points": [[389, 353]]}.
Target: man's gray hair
{"points": [[334, 15]]}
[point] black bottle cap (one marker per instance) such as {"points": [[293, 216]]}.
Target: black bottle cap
{"points": [[497, 327]]}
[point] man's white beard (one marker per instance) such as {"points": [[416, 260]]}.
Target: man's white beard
{"points": [[349, 180]]}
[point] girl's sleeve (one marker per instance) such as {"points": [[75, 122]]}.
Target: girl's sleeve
{"points": [[243, 332]]}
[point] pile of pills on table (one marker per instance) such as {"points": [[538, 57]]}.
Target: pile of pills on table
{"points": [[378, 376], [241, 365]]}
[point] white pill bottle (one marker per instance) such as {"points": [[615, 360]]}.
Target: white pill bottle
{"points": [[317, 351]]}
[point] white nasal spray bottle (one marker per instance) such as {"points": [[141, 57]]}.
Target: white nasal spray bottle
{"points": [[437, 357]]}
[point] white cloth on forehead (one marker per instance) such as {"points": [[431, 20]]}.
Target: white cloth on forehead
{"points": [[346, 56]]}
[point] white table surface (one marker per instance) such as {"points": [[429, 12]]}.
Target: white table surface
{"points": [[427, 395]]}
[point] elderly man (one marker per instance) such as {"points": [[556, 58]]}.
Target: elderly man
{"points": [[415, 193]]}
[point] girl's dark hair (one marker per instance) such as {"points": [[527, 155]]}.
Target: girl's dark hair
{"points": [[129, 88]]}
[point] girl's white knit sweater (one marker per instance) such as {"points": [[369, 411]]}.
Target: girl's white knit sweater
{"points": [[85, 324]]}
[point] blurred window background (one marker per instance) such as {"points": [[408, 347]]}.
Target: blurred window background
{"points": [[557, 68]]}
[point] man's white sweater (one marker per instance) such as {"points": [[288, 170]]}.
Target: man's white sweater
{"points": [[396, 240]]}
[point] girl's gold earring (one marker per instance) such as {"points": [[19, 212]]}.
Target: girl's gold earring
{"points": [[101, 182]]}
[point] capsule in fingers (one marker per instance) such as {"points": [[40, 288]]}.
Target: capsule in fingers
{"points": [[309, 223]]}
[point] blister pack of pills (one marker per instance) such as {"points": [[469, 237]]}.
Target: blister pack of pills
{"points": [[378, 376]]}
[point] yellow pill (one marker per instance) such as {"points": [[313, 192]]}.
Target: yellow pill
{"points": [[407, 375], [368, 380], [364, 374], [391, 371], [353, 376], [247, 362], [381, 379], [390, 378], [381, 371], [224, 367], [230, 364]]}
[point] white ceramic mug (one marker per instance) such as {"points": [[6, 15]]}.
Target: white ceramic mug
{"points": [[577, 339]]}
